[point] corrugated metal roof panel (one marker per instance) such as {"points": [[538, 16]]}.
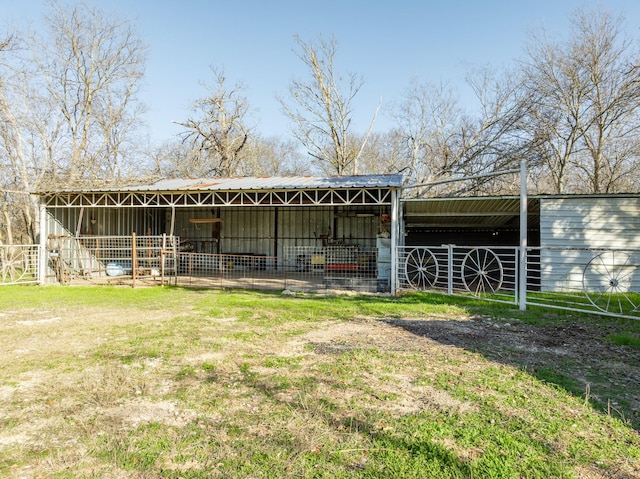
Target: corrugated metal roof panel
{"points": [[259, 183], [480, 212]]}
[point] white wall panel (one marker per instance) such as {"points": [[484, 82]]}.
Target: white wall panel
{"points": [[576, 225]]}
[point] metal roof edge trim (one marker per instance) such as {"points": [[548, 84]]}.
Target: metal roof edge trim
{"points": [[531, 196], [197, 185]]}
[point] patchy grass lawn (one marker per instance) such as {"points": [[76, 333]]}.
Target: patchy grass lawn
{"points": [[167, 382]]}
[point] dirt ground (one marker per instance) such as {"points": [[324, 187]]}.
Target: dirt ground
{"points": [[596, 369], [609, 375], [577, 353]]}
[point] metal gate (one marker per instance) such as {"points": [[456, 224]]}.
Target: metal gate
{"points": [[111, 258], [591, 280], [18, 264]]}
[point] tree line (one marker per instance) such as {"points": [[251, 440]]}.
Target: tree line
{"points": [[70, 116]]}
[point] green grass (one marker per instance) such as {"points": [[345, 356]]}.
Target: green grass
{"points": [[170, 382], [625, 339]]}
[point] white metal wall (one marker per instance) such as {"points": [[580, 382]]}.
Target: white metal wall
{"points": [[573, 230]]}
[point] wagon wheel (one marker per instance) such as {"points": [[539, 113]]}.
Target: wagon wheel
{"points": [[606, 280], [14, 266], [482, 271], [421, 269]]}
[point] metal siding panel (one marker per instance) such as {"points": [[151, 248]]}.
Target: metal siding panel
{"points": [[108, 221], [262, 219], [583, 223], [303, 230], [58, 221], [590, 222]]}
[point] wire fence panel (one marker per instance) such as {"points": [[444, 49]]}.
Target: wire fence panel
{"points": [[300, 269], [18, 264], [109, 259], [227, 270], [346, 267]]}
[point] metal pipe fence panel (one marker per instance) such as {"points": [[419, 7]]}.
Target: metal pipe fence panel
{"points": [[111, 257], [590, 280], [601, 280], [489, 273], [18, 264]]}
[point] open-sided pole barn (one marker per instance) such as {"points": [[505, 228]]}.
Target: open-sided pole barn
{"points": [[333, 232], [581, 252]]}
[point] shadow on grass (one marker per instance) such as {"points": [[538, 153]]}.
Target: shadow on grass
{"points": [[570, 350], [394, 455], [429, 444], [573, 355]]}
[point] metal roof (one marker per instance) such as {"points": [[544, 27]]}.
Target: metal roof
{"points": [[256, 183], [472, 212]]}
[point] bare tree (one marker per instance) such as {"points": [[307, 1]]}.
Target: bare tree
{"points": [[91, 64], [259, 157], [321, 108], [69, 109], [175, 159], [6, 195], [218, 131], [438, 140], [381, 153], [427, 125], [586, 114], [24, 159], [272, 157]]}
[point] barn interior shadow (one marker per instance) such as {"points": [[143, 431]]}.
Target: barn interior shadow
{"points": [[572, 355]]}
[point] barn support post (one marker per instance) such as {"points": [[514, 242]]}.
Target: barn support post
{"points": [[79, 224], [42, 246], [163, 249], [522, 278], [395, 204], [449, 268], [134, 259], [173, 221]]}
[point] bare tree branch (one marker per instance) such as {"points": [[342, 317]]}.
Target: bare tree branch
{"points": [[586, 112], [69, 109], [218, 133], [321, 108]]}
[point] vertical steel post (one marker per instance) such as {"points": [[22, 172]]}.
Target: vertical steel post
{"points": [[449, 268], [42, 246], [79, 225], [163, 249], [522, 278], [395, 205], [134, 259], [173, 221]]}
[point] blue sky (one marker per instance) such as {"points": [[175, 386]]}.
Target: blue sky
{"points": [[386, 42]]}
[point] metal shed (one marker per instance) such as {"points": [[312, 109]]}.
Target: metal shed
{"points": [[329, 232]]}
